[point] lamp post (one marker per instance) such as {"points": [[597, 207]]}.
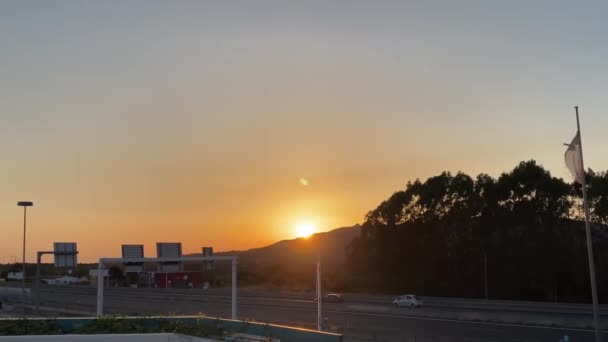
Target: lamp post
{"points": [[24, 204]]}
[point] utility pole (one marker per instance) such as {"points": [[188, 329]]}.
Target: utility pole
{"points": [[24, 204], [319, 297]]}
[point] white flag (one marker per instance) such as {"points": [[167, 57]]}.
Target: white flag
{"points": [[574, 160]]}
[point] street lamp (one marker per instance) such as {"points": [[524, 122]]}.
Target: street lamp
{"points": [[24, 204]]}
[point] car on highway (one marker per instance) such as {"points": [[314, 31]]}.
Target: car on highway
{"points": [[408, 300], [332, 298]]}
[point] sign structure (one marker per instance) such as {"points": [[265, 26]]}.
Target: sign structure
{"points": [[95, 273], [208, 252], [65, 254], [169, 250], [131, 252]]}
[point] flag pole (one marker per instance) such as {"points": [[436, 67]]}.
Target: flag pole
{"points": [[596, 318]]}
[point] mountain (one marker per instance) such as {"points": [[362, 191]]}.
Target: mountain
{"points": [[330, 245], [291, 263]]}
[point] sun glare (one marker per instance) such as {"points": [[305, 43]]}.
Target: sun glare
{"points": [[305, 229]]}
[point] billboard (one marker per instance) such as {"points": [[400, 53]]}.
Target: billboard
{"points": [[169, 250], [65, 254], [133, 252], [208, 252]]}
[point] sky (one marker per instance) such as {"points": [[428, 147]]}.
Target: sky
{"points": [[228, 123]]}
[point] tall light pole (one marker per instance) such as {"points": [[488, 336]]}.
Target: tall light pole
{"points": [[24, 204]]}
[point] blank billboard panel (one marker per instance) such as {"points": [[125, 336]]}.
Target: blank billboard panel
{"points": [[169, 250], [65, 254], [133, 252]]}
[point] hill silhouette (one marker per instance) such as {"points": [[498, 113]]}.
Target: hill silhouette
{"points": [[292, 263], [329, 245]]}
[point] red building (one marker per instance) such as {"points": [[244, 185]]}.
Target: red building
{"points": [[178, 280]]}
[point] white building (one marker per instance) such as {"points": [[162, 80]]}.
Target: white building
{"points": [[65, 280], [14, 276]]}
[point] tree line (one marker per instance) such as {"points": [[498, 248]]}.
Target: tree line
{"points": [[524, 232]]}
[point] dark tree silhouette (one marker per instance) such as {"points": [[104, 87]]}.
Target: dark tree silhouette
{"points": [[116, 275], [431, 238]]}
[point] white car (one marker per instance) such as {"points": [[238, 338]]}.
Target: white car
{"points": [[408, 300]]}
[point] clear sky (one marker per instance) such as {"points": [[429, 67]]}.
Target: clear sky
{"points": [[194, 121]]}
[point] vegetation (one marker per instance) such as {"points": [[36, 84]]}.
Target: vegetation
{"points": [[29, 327], [433, 237], [201, 326], [6, 269], [115, 325], [118, 325], [116, 275]]}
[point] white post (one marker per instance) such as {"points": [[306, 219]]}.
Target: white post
{"points": [[100, 289], [319, 297], [596, 316], [234, 282]]}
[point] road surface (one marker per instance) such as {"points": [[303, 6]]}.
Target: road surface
{"points": [[360, 318]]}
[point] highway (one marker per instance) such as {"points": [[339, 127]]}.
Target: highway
{"points": [[360, 318]]}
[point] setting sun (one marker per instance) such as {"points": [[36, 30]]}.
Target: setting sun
{"points": [[305, 229]]}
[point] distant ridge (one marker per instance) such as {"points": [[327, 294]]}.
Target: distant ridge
{"points": [[302, 252]]}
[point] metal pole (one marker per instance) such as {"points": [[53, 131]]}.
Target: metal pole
{"points": [[234, 284], [319, 297], [23, 258], [100, 289], [37, 280], [596, 318]]}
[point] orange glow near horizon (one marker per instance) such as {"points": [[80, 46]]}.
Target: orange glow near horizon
{"points": [[237, 123], [305, 229]]}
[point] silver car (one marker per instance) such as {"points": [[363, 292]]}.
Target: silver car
{"points": [[408, 300]]}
